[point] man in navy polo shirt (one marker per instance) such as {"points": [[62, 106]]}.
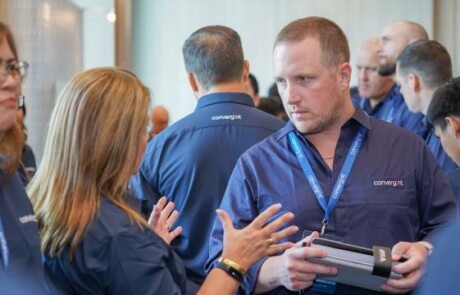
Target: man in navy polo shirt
{"points": [[393, 39], [422, 67], [378, 95], [191, 161], [444, 114], [338, 170]]}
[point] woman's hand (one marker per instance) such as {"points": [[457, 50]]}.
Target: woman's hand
{"points": [[258, 239], [162, 219]]}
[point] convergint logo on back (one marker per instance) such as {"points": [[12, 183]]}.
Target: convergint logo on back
{"points": [[227, 117], [394, 183]]}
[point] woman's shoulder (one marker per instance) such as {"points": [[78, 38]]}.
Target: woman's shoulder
{"points": [[113, 224]]}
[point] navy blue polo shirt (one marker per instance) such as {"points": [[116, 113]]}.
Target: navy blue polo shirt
{"points": [[443, 265], [191, 161], [393, 109], [116, 256], [454, 179], [3, 248], [21, 270], [434, 143], [396, 191], [386, 109]]}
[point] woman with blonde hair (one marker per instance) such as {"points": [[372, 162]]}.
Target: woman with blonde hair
{"points": [[93, 237], [20, 258]]}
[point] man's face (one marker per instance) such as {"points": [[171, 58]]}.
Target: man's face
{"points": [[310, 91], [410, 96], [449, 142], [371, 85], [392, 43]]}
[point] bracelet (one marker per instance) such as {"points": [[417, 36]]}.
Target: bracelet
{"points": [[232, 268]]}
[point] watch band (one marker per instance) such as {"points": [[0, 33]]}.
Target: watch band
{"points": [[428, 246], [231, 268]]}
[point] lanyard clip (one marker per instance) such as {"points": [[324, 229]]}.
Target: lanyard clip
{"points": [[323, 228]]}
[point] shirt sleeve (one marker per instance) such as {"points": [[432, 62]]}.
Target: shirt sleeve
{"points": [[437, 203], [143, 185], [141, 263], [239, 202]]}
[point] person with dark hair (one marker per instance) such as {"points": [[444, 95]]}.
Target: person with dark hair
{"points": [[274, 106], [444, 115], [393, 39], [340, 171], [191, 161], [21, 269], [273, 91], [253, 89], [422, 67]]}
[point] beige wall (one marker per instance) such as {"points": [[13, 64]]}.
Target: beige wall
{"points": [[49, 35], [160, 28], [447, 29]]}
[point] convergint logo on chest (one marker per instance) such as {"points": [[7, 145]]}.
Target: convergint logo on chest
{"points": [[394, 183], [227, 117]]}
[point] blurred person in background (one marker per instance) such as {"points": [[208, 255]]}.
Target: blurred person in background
{"points": [[160, 120]]}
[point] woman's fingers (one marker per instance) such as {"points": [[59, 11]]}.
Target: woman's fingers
{"points": [[161, 203], [260, 220], [225, 220], [286, 232], [172, 219], [154, 216], [173, 234], [278, 223], [277, 248]]}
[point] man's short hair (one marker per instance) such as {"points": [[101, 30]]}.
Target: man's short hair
{"points": [[333, 42], [445, 103], [429, 60], [214, 55]]}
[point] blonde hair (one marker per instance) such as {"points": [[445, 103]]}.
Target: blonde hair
{"points": [[91, 151]]}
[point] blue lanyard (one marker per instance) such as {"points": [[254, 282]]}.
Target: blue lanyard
{"points": [[340, 183]]}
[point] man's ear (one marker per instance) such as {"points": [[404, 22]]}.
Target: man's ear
{"points": [[344, 75], [414, 82], [454, 123], [246, 71], [192, 81]]}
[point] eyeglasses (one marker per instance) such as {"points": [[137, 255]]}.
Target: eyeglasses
{"points": [[15, 70]]}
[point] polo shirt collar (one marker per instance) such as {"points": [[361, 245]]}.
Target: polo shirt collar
{"points": [[220, 97], [359, 116]]}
